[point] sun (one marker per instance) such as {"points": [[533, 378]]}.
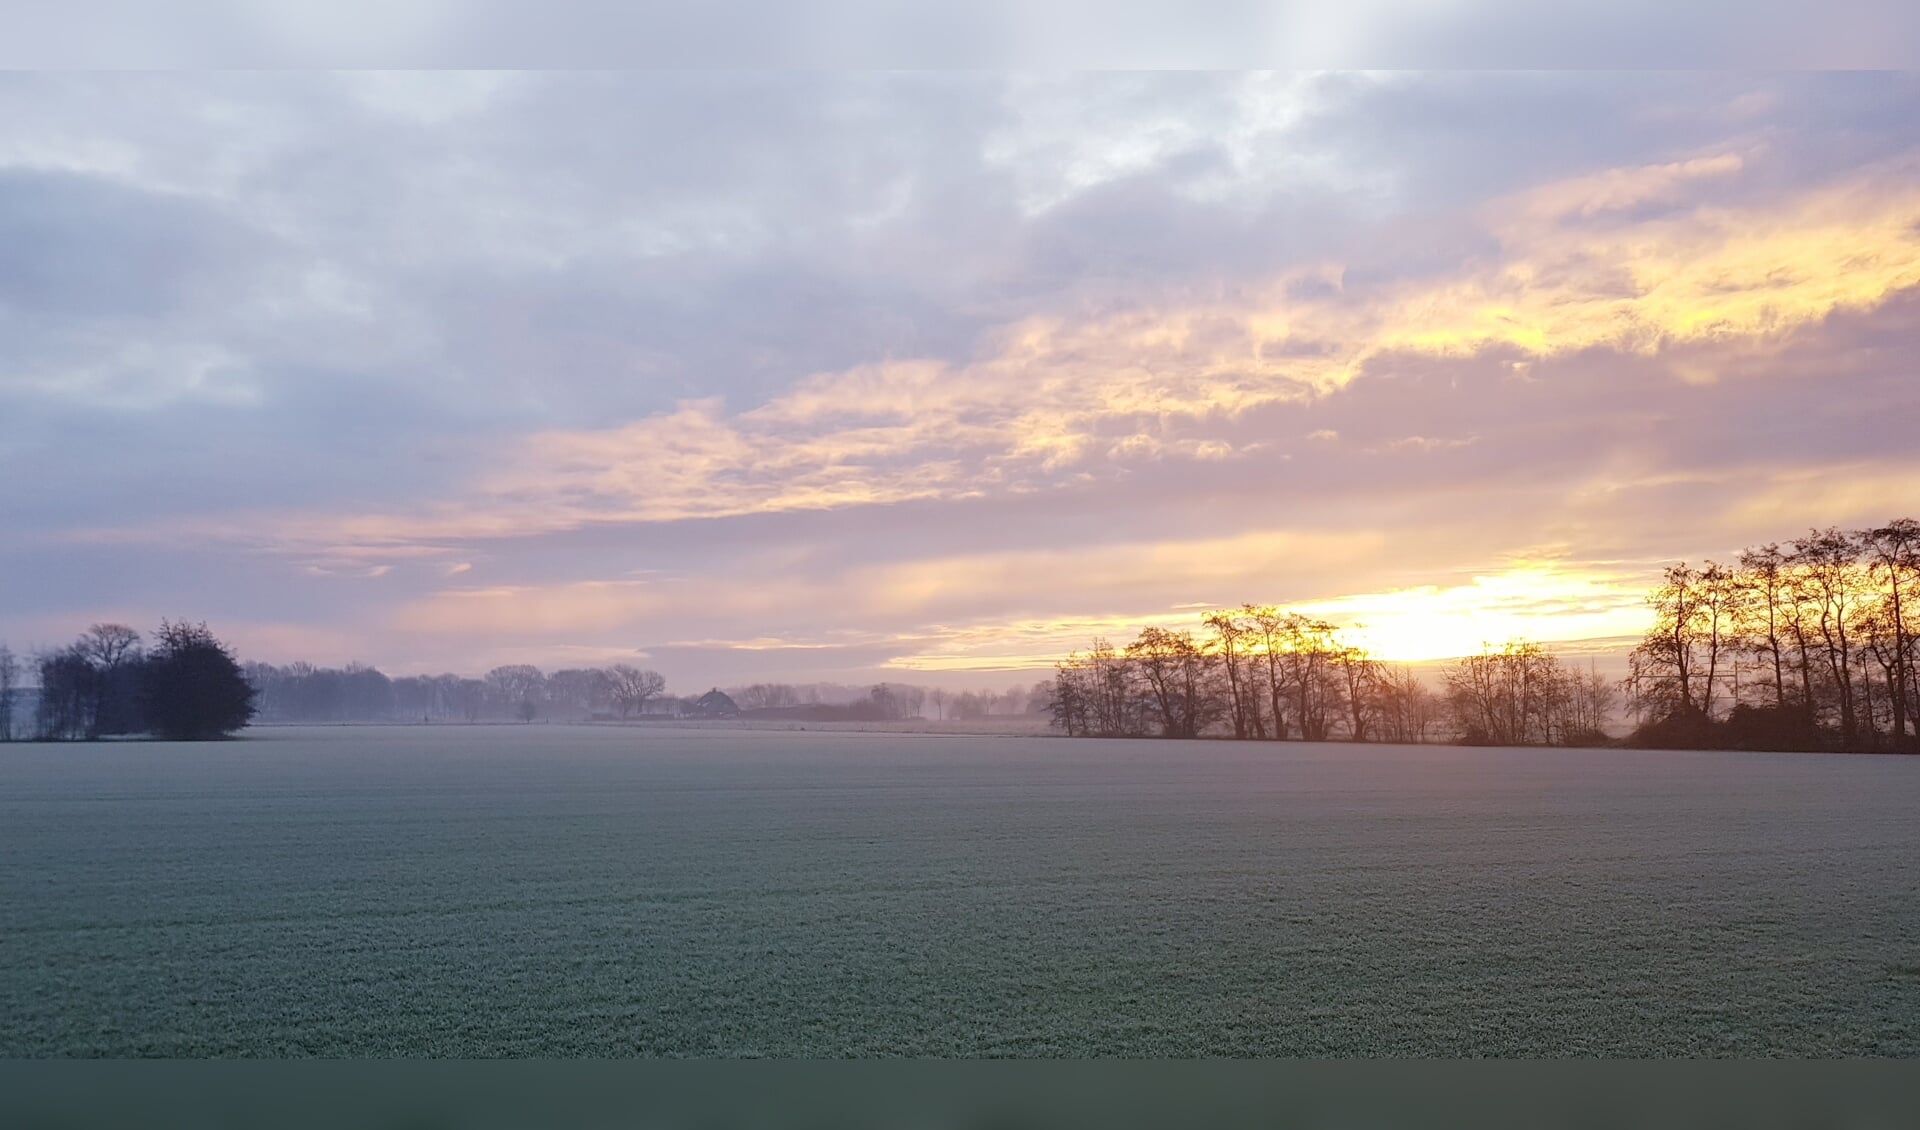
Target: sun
{"points": [[1538, 602]]}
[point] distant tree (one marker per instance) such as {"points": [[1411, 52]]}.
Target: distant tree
{"points": [[1406, 708], [938, 696], [67, 696], [366, 694], [471, 695], [580, 691], [1267, 627], [518, 686], [633, 686], [113, 650], [1763, 573], [1117, 706], [1667, 670], [1359, 681], [886, 702], [1070, 697], [1892, 555], [1172, 667], [767, 696], [9, 690], [968, 706], [1307, 650], [1513, 696], [194, 689], [1589, 707], [1829, 561], [1233, 637]]}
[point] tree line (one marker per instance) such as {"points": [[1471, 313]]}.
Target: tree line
{"points": [[97, 688], [888, 701], [1262, 673], [185, 686], [1807, 645], [1810, 645], [302, 692]]}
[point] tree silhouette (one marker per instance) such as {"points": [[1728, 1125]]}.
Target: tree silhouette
{"points": [[195, 690]]}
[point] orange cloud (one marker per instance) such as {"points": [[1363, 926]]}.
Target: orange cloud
{"points": [[1579, 267]]}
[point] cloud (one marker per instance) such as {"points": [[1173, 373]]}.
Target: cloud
{"points": [[1053, 396], [965, 365]]}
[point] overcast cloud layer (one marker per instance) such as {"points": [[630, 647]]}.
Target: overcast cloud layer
{"points": [[849, 377]]}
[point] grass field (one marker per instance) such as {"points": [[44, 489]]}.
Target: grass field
{"points": [[567, 891]]}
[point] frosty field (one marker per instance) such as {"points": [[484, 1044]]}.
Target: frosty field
{"points": [[565, 891]]}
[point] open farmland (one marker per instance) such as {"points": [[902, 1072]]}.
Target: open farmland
{"points": [[552, 890]]}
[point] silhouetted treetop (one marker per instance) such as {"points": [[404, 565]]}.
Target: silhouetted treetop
{"points": [[194, 688]]}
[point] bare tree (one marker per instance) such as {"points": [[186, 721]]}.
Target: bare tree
{"points": [[1829, 562], [113, 650], [1232, 638], [519, 688], [1763, 574], [1518, 695], [1307, 654], [767, 696], [1172, 667], [1406, 708], [1893, 563], [1359, 675], [472, 696], [1269, 628], [1115, 712], [1724, 607], [64, 711], [633, 686], [1665, 668], [1070, 697]]}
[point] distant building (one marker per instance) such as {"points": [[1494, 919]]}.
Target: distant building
{"points": [[665, 706], [715, 704]]}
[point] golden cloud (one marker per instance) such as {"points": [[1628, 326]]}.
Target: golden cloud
{"points": [[1617, 260]]}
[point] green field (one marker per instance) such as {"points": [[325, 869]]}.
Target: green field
{"points": [[570, 891]]}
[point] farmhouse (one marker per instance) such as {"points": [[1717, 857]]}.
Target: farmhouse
{"points": [[716, 703]]}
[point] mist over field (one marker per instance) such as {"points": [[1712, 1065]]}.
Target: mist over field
{"points": [[618, 891]]}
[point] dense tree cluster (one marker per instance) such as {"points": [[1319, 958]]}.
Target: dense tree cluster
{"points": [[1268, 675], [1258, 672], [1810, 645], [1521, 695], [187, 687]]}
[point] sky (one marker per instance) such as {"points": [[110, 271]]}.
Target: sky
{"points": [[931, 377]]}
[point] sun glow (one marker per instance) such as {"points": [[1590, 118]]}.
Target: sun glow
{"points": [[1541, 603]]}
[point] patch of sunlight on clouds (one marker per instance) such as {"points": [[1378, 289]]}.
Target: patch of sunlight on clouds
{"points": [[1580, 267], [1843, 494], [1542, 603]]}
